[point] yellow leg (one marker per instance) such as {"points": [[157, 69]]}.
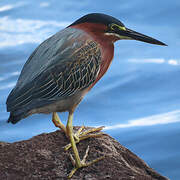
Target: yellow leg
{"points": [[69, 129], [84, 164], [57, 122], [80, 134], [77, 162]]}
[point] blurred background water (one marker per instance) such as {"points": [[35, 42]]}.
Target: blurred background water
{"points": [[138, 100]]}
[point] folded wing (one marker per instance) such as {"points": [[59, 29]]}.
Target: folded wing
{"points": [[52, 75]]}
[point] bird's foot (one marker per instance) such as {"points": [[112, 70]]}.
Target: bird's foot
{"points": [[81, 135], [82, 163], [76, 161]]}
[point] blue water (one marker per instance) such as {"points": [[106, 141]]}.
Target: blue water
{"points": [[138, 100]]}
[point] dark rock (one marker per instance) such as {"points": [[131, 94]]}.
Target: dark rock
{"points": [[43, 157]]}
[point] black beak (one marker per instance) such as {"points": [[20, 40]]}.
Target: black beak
{"points": [[140, 37]]}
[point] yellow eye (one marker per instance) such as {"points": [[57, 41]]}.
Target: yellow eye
{"points": [[115, 26]]}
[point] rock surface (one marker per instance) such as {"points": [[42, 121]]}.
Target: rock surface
{"points": [[43, 157]]}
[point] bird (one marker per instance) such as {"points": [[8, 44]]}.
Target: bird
{"points": [[64, 68]]}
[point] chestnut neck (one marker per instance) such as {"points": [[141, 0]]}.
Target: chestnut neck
{"points": [[97, 31]]}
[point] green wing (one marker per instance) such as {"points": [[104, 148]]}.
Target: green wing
{"points": [[66, 79], [62, 79]]}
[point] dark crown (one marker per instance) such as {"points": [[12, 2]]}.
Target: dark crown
{"points": [[98, 18]]}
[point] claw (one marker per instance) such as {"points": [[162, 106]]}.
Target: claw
{"points": [[79, 135], [72, 159], [79, 130], [76, 138], [85, 156], [83, 138], [83, 162], [72, 173], [92, 130]]}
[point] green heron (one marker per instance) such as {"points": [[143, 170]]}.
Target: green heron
{"points": [[64, 68]]}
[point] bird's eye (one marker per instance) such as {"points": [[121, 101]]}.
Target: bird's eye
{"points": [[113, 27], [117, 27]]}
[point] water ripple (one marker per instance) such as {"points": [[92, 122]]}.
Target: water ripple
{"points": [[173, 62], [8, 7], [19, 31], [8, 75], [8, 85], [165, 118]]}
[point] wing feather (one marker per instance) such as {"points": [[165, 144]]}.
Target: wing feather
{"points": [[75, 73]]}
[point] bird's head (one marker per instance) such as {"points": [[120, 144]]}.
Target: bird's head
{"points": [[111, 28]]}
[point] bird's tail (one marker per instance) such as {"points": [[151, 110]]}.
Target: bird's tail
{"points": [[14, 117]]}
